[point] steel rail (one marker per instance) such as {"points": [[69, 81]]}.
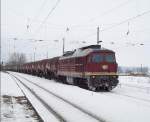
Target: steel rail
{"points": [[50, 109], [25, 96], [66, 101]]}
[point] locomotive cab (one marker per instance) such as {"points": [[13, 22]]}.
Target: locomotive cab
{"points": [[101, 69], [101, 62]]}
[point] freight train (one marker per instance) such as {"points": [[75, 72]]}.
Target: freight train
{"points": [[92, 67]]}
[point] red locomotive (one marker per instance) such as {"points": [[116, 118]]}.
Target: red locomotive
{"points": [[92, 66]]}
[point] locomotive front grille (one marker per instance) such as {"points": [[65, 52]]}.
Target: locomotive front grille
{"points": [[103, 80]]}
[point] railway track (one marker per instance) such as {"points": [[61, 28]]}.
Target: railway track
{"points": [[15, 80], [60, 117]]}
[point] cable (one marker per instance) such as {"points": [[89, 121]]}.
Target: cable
{"points": [[39, 11], [104, 13], [112, 9], [50, 12], [120, 23], [127, 20]]}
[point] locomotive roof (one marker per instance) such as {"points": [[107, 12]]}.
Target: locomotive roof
{"points": [[84, 51]]}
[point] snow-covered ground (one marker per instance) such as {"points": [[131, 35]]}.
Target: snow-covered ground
{"points": [[134, 87], [8, 86], [129, 102], [14, 106]]}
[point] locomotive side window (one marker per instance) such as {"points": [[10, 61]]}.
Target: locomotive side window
{"points": [[109, 58], [96, 58]]}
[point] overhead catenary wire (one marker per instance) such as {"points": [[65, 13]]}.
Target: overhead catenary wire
{"points": [[110, 10], [120, 23], [78, 26], [91, 34], [104, 13], [35, 20], [127, 20], [50, 12], [39, 12], [44, 2]]}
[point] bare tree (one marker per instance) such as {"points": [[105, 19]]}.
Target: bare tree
{"points": [[16, 59]]}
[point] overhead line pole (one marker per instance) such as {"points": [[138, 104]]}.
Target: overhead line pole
{"points": [[97, 35], [120, 23], [63, 45]]}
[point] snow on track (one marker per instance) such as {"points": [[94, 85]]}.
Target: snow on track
{"points": [[111, 108], [14, 104], [44, 113], [8, 86], [58, 104]]}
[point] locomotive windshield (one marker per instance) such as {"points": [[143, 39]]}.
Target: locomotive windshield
{"points": [[109, 58], [97, 58]]}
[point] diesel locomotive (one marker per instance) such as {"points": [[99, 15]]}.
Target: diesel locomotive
{"points": [[92, 67]]}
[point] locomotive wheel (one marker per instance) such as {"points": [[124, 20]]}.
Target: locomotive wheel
{"points": [[90, 86], [109, 88], [81, 83], [69, 80]]}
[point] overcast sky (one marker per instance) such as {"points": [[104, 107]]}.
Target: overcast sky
{"points": [[124, 27]]}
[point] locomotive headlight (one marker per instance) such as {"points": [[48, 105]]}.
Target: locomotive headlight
{"points": [[104, 67]]}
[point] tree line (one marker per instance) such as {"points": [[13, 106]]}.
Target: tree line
{"points": [[16, 59]]}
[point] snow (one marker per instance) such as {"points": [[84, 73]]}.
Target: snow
{"points": [[123, 104], [83, 52], [136, 81], [138, 87], [78, 53], [14, 106], [60, 106], [16, 111], [8, 86], [42, 111]]}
